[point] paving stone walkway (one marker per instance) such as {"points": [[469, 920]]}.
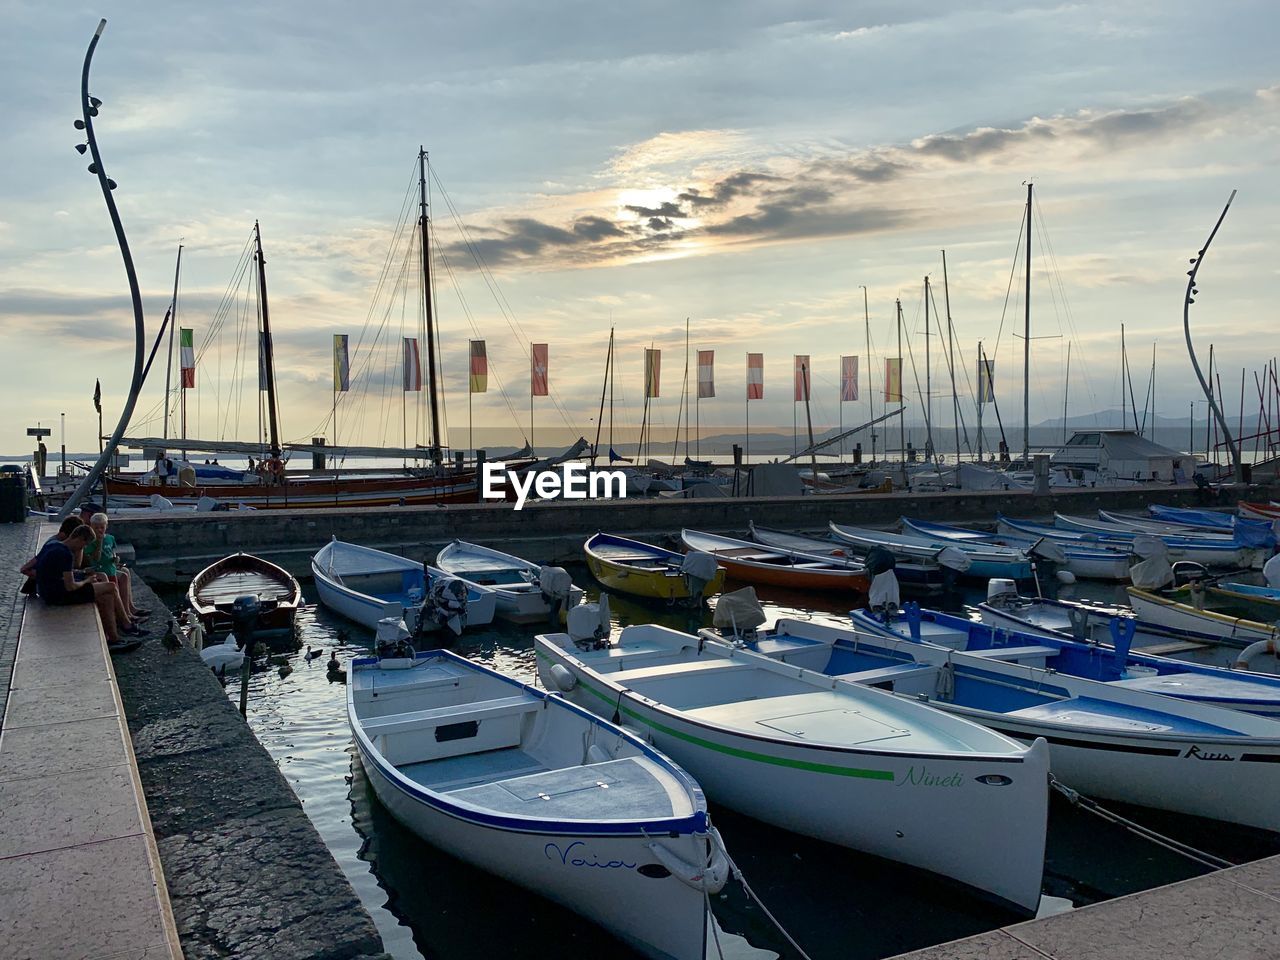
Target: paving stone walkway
{"points": [[17, 544]]}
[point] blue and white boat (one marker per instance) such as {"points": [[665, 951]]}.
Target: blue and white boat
{"points": [[1210, 553], [530, 787], [837, 761], [985, 560], [525, 592], [1084, 560], [1105, 740], [367, 585]]}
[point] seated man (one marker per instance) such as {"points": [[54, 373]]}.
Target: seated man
{"points": [[100, 557], [57, 585]]}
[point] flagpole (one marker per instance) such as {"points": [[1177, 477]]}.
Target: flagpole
{"points": [[173, 322], [748, 427]]}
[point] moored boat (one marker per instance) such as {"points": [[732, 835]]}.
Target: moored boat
{"points": [[832, 760], [644, 570], [215, 588], [524, 592], [778, 567], [367, 585], [1218, 553], [915, 574], [532, 788], [985, 560], [1104, 740], [1091, 562], [1171, 612]]}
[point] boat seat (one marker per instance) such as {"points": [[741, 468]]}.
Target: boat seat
{"points": [[1014, 654], [900, 671], [625, 676], [454, 713], [627, 788], [774, 646]]}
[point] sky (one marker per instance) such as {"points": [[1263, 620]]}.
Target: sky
{"points": [[746, 166]]}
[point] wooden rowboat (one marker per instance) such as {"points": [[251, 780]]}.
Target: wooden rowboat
{"points": [[642, 569], [216, 587], [778, 567]]}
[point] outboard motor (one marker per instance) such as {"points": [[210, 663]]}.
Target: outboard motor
{"points": [[1153, 571], [1001, 593], [698, 569], [393, 643], [446, 604], [556, 587], [883, 594], [588, 624], [739, 613]]}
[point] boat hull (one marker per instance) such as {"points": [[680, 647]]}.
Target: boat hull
{"points": [[213, 591], [1183, 617], [890, 805], [647, 584]]}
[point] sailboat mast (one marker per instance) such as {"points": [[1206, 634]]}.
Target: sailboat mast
{"points": [[1066, 385], [871, 406], [268, 354], [951, 357], [1124, 367], [808, 419], [928, 380], [604, 386], [1026, 346], [982, 397], [173, 322], [902, 419], [437, 448]]}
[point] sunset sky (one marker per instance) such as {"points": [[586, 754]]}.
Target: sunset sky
{"points": [[746, 165]]}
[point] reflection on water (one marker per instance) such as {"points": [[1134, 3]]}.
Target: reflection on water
{"points": [[837, 903]]}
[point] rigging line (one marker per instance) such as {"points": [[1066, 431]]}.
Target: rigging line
{"points": [[1013, 272], [952, 373]]}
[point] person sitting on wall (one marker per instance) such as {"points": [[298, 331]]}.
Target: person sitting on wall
{"points": [[58, 585], [100, 557], [28, 569]]}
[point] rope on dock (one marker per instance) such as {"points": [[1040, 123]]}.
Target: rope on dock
{"points": [[1092, 806]]}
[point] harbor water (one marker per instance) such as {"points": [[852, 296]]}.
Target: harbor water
{"points": [[835, 902]]}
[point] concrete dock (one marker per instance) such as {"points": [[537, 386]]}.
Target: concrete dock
{"points": [[142, 817], [1233, 914]]}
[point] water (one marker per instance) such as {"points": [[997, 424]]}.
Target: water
{"points": [[836, 903]]}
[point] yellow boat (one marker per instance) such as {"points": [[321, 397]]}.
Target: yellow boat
{"points": [[643, 570]]}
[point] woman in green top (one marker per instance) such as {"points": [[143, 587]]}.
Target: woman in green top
{"points": [[100, 556]]}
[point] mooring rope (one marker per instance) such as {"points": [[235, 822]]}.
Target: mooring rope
{"points": [[1092, 806], [737, 874]]}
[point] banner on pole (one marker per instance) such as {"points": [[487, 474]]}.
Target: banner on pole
{"points": [[186, 339], [479, 381], [848, 379], [652, 372], [755, 376], [803, 371], [706, 374], [893, 380], [412, 366], [538, 370], [986, 381], [341, 364]]}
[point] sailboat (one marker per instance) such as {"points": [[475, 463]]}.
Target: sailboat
{"points": [[436, 484]]}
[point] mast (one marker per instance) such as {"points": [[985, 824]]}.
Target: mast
{"points": [[1026, 346], [437, 448], [928, 380], [981, 400], [808, 419], [268, 356], [173, 322], [871, 406], [1066, 385], [1124, 366], [951, 358], [902, 425], [604, 386]]}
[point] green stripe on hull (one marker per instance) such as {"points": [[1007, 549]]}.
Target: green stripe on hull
{"points": [[827, 768]]}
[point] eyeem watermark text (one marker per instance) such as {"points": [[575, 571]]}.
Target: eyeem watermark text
{"points": [[570, 481]]}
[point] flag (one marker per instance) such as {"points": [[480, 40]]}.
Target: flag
{"points": [[755, 376], [188, 354], [412, 366], [538, 370], [893, 380], [802, 377], [341, 364], [479, 382], [986, 381], [262, 360], [706, 374], [652, 372], [97, 395], [848, 378]]}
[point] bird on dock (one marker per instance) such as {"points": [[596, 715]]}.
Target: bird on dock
{"points": [[285, 670], [171, 640], [313, 654]]}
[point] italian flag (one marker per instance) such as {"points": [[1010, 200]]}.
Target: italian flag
{"points": [[188, 358]]}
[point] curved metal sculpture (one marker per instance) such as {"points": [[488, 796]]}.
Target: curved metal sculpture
{"points": [[89, 109], [1187, 329]]}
